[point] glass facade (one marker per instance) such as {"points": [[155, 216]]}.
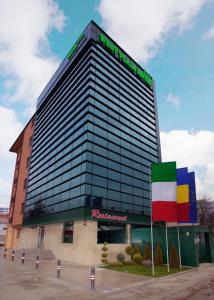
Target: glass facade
{"points": [[96, 133]]}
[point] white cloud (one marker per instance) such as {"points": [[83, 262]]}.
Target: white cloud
{"points": [[209, 34], [5, 192], [10, 129], [26, 62], [174, 100], [210, 174], [194, 150], [141, 26]]}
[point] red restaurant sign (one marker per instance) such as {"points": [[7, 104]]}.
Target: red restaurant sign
{"points": [[95, 213]]}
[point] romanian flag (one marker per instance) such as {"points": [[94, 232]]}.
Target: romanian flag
{"points": [[186, 196], [183, 202], [183, 194], [164, 205]]}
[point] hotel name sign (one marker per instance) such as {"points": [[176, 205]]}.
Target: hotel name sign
{"points": [[128, 62], [113, 48], [75, 46]]}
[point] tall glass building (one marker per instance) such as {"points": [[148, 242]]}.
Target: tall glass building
{"points": [[96, 134]]}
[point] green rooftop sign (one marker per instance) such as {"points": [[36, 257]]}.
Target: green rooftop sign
{"points": [[75, 46], [122, 56]]}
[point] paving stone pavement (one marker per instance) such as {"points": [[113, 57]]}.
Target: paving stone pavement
{"points": [[206, 292], [24, 282]]}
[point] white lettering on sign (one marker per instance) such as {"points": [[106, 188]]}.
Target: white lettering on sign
{"points": [[95, 213]]}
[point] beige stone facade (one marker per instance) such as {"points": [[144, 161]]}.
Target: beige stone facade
{"points": [[84, 249]]}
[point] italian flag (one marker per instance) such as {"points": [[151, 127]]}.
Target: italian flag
{"points": [[164, 205]]}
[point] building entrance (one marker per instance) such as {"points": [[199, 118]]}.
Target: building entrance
{"points": [[204, 250]]}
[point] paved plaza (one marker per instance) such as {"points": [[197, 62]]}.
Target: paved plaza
{"points": [[25, 282]]}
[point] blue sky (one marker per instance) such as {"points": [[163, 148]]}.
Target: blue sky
{"points": [[183, 67], [173, 41]]}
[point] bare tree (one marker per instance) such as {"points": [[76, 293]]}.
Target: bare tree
{"points": [[202, 210]]}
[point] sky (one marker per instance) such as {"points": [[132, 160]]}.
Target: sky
{"points": [[172, 40]]}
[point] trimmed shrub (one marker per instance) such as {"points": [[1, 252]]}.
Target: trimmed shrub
{"points": [[104, 248], [130, 250], [147, 253], [121, 258], [115, 264], [137, 258], [174, 258], [104, 255], [158, 255]]}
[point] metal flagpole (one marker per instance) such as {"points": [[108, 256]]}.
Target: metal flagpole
{"points": [[179, 246], [152, 244], [167, 249], [153, 267]]}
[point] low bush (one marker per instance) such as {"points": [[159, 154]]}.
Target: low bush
{"points": [[121, 257], [147, 263], [137, 258], [115, 264]]}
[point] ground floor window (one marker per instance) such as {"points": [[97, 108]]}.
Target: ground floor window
{"points": [[68, 232], [112, 233]]}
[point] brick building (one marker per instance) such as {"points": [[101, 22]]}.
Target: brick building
{"points": [[22, 147]]}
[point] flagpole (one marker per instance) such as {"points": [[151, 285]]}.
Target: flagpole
{"points": [[179, 246], [152, 242], [153, 267], [167, 249]]}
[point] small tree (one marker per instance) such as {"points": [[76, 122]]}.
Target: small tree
{"points": [[121, 257], [104, 255], [174, 258], [147, 253], [158, 255]]}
